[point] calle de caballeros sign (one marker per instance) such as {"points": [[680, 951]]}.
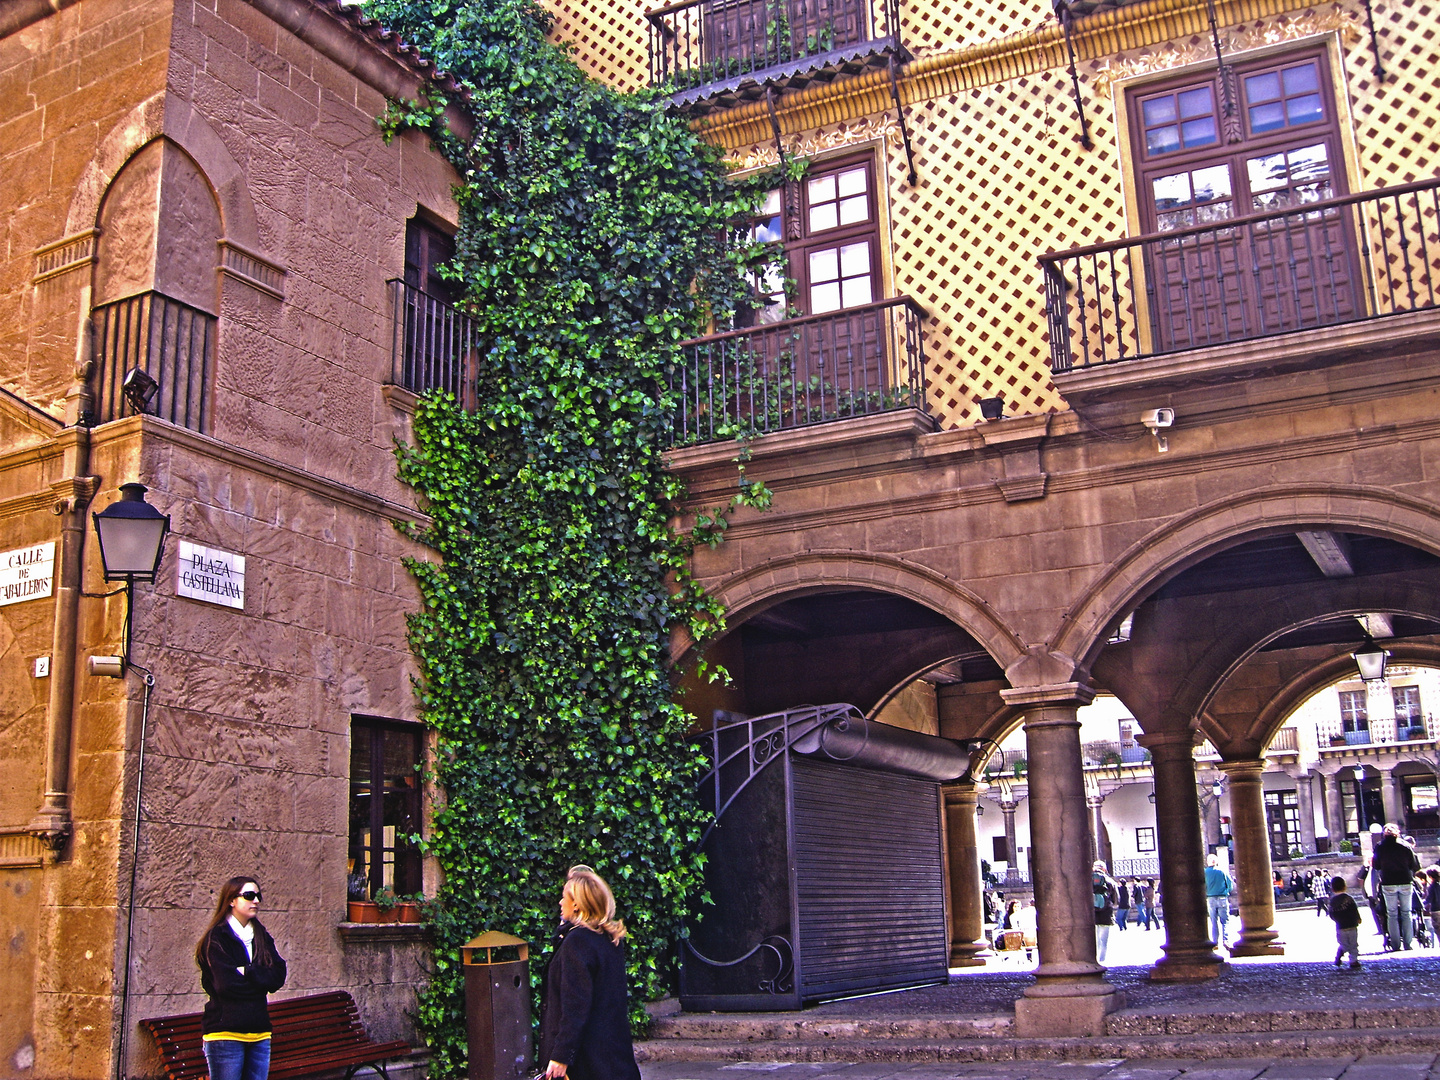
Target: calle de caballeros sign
{"points": [[216, 577], [27, 573]]}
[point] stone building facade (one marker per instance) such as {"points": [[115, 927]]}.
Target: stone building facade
{"points": [[200, 191], [1107, 366]]}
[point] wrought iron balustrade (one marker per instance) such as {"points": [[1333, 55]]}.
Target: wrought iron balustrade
{"points": [[1327, 263], [697, 43], [789, 374], [171, 342], [433, 346]]}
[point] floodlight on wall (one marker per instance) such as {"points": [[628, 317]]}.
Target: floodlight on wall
{"points": [[132, 540], [979, 746], [139, 389], [1370, 659], [992, 408]]}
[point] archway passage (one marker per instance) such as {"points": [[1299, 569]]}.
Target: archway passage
{"points": [[859, 646]]}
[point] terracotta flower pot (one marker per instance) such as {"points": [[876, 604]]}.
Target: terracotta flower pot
{"points": [[407, 912], [363, 911]]}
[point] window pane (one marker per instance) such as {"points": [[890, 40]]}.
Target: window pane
{"points": [[854, 259], [1264, 87], [1212, 183], [821, 189], [1197, 102], [1305, 110], [856, 208], [1171, 191], [1309, 163], [856, 291], [825, 298], [772, 203], [1162, 140], [1300, 79], [823, 217], [1159, 110], [1267, 117], [824, 265], [1198, 132], [852, 181], [1268, 173]]}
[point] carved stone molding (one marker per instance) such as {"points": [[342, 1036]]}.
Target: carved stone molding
{"points": [[62, 256], [871, 129], [1018, 442], [254, 270]]}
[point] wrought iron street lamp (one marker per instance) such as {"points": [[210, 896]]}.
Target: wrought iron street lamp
{"points": [[1360, 796], [1370, 659], [132, 540]]}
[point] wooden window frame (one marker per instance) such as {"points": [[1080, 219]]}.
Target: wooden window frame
{"points": [[409, 872]]}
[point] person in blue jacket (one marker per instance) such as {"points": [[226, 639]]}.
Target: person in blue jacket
{"points": [[239, 968], [1217, 897], [585, 1005]]}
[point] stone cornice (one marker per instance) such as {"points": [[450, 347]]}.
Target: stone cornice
{"points": [[1132, 26], [148, 427]]}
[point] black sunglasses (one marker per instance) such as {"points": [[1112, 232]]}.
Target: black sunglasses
{"points": [[253, 897]]}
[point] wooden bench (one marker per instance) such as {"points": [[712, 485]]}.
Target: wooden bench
{"points": [[315, 1034]]}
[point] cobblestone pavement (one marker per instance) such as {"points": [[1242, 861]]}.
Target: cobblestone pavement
{"points": [[1369, 1067]]}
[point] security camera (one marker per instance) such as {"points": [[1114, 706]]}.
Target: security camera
{"points": [[1155, 419]]}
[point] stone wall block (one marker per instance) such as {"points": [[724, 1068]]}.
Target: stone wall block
{"points": [[209, 525], [192, 792], [296, 596], [388, 612], [72, 1034]]}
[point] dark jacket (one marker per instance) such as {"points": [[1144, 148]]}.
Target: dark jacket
{"points": [[237, 1001], [1395, 864], [1103, 887], [1344, 911], [584, 1013]]}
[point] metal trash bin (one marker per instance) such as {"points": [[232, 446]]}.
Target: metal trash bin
{"points": [[497, 1006]]}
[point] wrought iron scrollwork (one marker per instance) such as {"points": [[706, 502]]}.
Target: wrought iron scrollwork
{"points": [[782, 951]]}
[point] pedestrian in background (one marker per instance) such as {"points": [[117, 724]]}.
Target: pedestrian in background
{"points": [[1393, 868], [1144, 898], [1346, 914], [1432, 900], [585, 1004], [239, 968], [1122, 904], [1217, 898], [1105, 893]]}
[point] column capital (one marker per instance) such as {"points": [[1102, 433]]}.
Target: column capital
{"points": [[961, 795], [1156, 741], [1246, 769], [1068, 693]]}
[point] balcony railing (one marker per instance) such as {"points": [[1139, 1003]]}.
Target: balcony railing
{"points": [[433, 346], [1380, 732], [1342, 260], [789, 374], [171, 342], [712, 43], [1286, 741]]}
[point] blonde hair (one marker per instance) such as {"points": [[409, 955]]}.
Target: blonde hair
{"points": [[594, 902]]}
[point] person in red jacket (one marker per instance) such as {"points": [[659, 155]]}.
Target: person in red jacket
{"points": [[239, 968]]}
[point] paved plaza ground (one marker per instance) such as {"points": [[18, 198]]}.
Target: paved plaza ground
{"points": [[1369, 1067]]}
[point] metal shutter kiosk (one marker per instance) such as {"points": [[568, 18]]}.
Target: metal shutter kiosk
{"points": [[825, 862]]}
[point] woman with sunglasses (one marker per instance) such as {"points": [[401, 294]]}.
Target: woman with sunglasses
{"points": [[584, 1019], [239, 967]]}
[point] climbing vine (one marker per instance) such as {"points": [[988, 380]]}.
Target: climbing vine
{"points": [[597, 232]]}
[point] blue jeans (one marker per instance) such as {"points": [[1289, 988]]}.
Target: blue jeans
{"points": [[1397, 915], [228, 1059], [1219, 917]]}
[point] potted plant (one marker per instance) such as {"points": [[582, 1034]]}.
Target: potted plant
{"points": [[386, 900], [1346, 847], [362, 911], [1021, 765], [1337, 740], [407, 908]]}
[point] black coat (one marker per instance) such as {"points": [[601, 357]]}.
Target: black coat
{"points": [[1395, 864], [584, 1015], [238, 987]]}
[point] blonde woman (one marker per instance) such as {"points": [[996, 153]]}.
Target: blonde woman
{"points": [[584, 1014]]}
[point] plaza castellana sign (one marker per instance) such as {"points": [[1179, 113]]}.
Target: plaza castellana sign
{"points": [[216, 577], [27, 573]]}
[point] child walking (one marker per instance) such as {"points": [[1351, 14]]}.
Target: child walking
{"points": [[1347, 923]]}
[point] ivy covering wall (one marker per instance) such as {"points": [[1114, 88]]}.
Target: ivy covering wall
{"points": [[596, 233]]}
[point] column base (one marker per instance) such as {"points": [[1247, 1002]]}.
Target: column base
{"points": [[1194, 967], [970, 953], [1061, 1016], [1258, 948]]}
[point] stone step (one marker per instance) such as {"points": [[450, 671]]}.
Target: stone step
{"points": [[1198, 1046], [751, 1028]]}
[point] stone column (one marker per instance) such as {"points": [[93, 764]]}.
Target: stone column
{"points": [[1334, 809], [1070, 995], [1189, 952], [1253, 872], [1007, 811], [1306, 796], [967, 910], [1393, 797]]}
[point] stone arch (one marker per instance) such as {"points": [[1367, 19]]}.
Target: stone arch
{"points": [[1316, 678], [165, 116], [788, 576], [1191, 538]]}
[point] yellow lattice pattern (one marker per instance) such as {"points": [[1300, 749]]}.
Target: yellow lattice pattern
{"points": [[940, 25], [1003, 179], [609, 38]]}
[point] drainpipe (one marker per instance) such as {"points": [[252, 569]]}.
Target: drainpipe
{"points": [[52, 823]]}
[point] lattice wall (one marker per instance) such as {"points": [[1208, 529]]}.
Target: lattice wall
{"points": [[610, 39], [1003, 178]]}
